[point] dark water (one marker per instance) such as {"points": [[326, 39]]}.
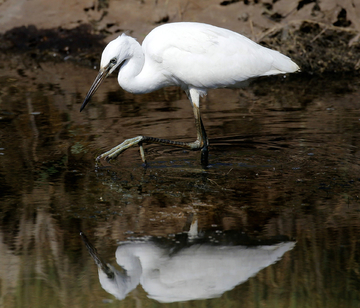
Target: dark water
{"points": [[272, 222]]}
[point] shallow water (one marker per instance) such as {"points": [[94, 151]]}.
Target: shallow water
{"points": [[273, 221]]}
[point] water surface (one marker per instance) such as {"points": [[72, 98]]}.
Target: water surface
{"points": [[273, 221]]}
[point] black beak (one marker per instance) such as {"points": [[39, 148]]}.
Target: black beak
{"points": [[99, 78]]}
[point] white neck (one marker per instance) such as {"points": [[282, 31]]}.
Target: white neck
{"points": [[140, 74], [132, 67]]}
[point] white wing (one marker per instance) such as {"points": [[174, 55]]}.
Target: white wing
{"points": [[205, 56]]}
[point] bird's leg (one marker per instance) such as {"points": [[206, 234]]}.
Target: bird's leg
{"points": [[201, 142], [202, 138]]}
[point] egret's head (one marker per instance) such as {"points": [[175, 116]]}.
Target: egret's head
{"points": [[115, 53], [113, 56]]}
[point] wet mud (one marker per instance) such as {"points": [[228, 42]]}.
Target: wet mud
{"points": [[77, 45], [317, 48]]}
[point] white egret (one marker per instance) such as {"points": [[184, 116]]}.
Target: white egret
{"points": [[194, 56]]}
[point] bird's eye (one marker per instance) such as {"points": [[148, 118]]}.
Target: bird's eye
{"points": [[113, 61]]}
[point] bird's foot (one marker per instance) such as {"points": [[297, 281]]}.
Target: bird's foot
{"points": [[139, 140], [116, 151]]}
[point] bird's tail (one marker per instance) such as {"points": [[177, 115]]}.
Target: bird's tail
{"points": [[283, 64]]}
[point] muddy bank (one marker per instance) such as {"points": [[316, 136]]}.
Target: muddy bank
{"points": [[316, 47], [58, 44], [320, 36]]}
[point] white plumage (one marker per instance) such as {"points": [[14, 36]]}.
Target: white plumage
{"points": [[194, 56]]}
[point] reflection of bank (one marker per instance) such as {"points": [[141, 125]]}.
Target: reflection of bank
{"points": [[189, 269]]}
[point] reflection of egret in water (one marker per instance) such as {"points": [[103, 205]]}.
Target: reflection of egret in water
{"points": [[172, 271]]}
